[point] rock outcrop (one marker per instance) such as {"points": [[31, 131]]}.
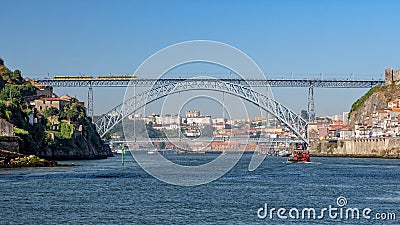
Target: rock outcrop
{"points": [[10, 159], [66, 153]]}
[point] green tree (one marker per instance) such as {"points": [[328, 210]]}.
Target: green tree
{"points": [[11, 92], [51, 114], [73, 112], [16, 77], [27, 89], [5, 113], [52, 111], [66, 130]]}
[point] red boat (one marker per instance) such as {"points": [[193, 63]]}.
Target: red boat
{"points": [[299, 156]]}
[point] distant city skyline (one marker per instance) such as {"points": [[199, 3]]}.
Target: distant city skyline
{"points": [[283, 37]]}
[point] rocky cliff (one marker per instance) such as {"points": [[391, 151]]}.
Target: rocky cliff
{"points": [[376, 98], [70, 142], [89, 151]]}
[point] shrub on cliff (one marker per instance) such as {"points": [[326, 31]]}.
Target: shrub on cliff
{"points": [[20, 132], [52, 111], [5, 113], [10, 77], [66, 130]]}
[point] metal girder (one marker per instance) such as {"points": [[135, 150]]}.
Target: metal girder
{"points": [[317, 83], [90, 108], [293, 121], [208, 140], [311, 106]]}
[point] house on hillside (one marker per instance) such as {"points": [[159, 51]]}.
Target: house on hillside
{"points": [[43, 104], [394, 104]]}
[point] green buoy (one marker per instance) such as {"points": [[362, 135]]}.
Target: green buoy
{"points": [[123, 155]]}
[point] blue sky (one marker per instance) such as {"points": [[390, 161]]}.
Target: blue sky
{"points": [[335, 38]]}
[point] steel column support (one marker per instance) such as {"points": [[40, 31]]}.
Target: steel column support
{"points": [[90, 102], [311, 110]]}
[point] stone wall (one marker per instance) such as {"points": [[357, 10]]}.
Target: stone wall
{"points": [[371, 147], [13, 144], [6, 128]]}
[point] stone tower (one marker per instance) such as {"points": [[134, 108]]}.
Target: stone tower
{"points": [[391, 76]]}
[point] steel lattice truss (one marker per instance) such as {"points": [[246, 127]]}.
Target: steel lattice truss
{"points": [[209, 140], [317, 83], [293, 121]]}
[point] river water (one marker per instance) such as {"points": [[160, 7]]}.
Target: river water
{"points": [[104, 192]]}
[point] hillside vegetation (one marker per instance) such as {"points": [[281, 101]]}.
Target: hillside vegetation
{"points": [[52, 135]]}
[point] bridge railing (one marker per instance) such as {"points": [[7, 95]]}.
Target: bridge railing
{"points": [[273, 82], [209, 140]]}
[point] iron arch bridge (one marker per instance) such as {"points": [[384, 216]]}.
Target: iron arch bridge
{"points": [[291, 120]]}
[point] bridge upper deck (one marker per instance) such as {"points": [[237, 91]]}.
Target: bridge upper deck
{"points": [[124, 81]]}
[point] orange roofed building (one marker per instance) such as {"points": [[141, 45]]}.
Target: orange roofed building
{"points": [[394, 104], [43, 104]]}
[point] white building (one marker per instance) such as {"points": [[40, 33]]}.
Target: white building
{"points": [[193, 113], [166, 126], [151, 118], [168, 119], [135, 116], [345, 117], [200, 120], [337, 117]]}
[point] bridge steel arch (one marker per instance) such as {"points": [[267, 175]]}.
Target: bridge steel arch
{"points": [[294, 122]]}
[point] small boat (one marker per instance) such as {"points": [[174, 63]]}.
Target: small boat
{"points": [[151, 152], [284, 153], [299, 156]]}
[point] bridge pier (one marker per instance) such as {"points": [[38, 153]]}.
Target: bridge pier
{"points": [[311, 110], [90, 102]]}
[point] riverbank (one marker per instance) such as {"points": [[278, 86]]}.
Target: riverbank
{"points": [[10, 159], [388, 147]]}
